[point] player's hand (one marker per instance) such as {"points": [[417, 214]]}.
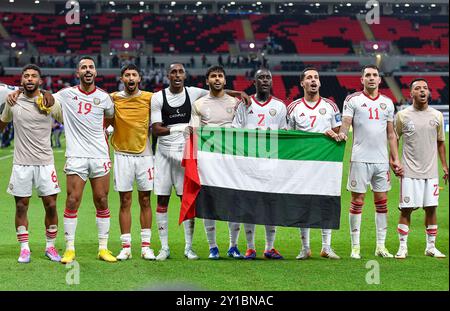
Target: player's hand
{"points": [[188, 131], [341, 137], [445, 174], [397, 168], [49, 101], [246, 99], [11, 99], [332, 134]]}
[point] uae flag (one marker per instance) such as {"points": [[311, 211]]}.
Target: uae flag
{"points": [[282, 178]]}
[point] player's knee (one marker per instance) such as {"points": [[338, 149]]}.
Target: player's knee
{"points": [[72, 203], [125, 202], [144, 202], [21, 208], [101, 202]]}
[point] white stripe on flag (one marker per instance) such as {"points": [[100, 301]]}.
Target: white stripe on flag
{"points": [[269, 175]]}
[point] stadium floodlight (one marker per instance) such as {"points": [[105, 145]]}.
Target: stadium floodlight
{"points": [[232, 3], [141, 3], [112, 3], [258, 3], [251, 45], [433, 5], [198, 3], [375, 46], [407, 5], [317, 4], [11, 1], [349, 4], [13, 45], [36, 1], [141, 11], [126, 45], [290, 4]]}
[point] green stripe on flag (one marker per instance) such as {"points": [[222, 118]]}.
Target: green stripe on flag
{"points": [[286, 145]]}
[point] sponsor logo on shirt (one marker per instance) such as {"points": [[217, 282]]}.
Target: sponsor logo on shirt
{"points": [[364, 105], [434, 123]]}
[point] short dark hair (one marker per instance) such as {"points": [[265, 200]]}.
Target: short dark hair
{"points": [[303, 74], [85, 57], [369, 66], [415, 80], [262, 69], [33, 67], [129, 67], [174, 63], [213, 69]]}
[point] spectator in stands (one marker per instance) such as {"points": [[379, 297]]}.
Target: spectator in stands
{"points": [[115, 61], [57, 129], [204, 60], [192, 62], [32, 60], [2, 70], [220, 60]]}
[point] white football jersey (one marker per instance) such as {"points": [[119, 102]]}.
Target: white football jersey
{"points": [[271, 114], [83, 115], [370, 118], [320, 117], [5, 90]]}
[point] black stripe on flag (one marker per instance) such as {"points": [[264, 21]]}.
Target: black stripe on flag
{"points": [[288, 210]]}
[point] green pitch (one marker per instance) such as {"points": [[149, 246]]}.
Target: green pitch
{"points": [[415, 273]]}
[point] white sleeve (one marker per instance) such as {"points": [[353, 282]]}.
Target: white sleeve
{"points": [[349, 108], [336, 119], [291, 120], [282, 124], [196, 93], [56, 112], [109, 107], [59, 96], [7, 115], [156, 107], [195, 115], [239, 120], [391, 111]]}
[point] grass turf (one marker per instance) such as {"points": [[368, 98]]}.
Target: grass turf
{"points": [[415, 273]]}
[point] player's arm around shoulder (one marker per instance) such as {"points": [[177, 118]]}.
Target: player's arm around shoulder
{"points": [[109, 107], [5, 117], [56, 112]]}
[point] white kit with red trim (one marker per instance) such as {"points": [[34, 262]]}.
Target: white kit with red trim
{"points": [[84, 121]]}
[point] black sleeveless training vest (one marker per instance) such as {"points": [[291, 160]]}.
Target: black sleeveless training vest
{"points": [[171, 115]]}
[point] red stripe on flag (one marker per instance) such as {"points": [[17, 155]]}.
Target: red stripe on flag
{"points": [[191, 186]]}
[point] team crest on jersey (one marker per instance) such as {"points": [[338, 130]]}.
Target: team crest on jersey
{"points": [[383, 106], [272, 112], [353, 183], [229, 110], [11, 187], [406, 199], [322, 111], [96, 101]]}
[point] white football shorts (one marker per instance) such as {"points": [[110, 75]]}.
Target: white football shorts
{"points": [[42, 177], [376, 175]]}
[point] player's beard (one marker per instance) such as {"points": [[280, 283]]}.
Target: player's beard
{"points": [[131, 89], [28, 91], [84, 79]]}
